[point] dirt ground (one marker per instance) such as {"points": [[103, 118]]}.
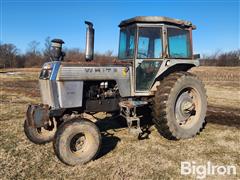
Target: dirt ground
{"points": [[122, 155]]}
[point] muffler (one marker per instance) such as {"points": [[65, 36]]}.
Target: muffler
{"points": [[89, 49]]}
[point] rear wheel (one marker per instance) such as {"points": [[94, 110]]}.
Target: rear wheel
{"points": [[77, 141], [180, 105]]}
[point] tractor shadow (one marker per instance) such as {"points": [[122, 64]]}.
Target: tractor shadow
{"points": [[223, 116], [111, 125], [109, 140]]}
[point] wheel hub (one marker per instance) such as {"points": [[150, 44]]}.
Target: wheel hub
{"points": [[77, 142], [184, 107]]}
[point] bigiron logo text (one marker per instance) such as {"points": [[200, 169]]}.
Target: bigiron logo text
{"points": [[201, 171]]}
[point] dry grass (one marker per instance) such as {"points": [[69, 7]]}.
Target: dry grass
{"points": [[19, 70], [122, 156]]}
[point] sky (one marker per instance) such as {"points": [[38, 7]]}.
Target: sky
{"points": [[23, 21]]}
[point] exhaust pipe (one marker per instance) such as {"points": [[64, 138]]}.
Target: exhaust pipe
{"points": [[89, 49]]}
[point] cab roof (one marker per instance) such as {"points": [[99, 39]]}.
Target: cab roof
{"points": [[157, 19]]}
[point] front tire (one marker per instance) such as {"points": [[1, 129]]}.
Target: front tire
{"points": [[179, 106], [77, 141], [40, 135]]}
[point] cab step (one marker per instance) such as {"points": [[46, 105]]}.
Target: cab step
{"points": [[128, 111]]}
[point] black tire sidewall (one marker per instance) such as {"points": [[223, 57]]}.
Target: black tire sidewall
{"points": [[64, 135]]}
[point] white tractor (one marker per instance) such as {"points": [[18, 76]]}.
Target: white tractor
{"points": [[155, 54]]}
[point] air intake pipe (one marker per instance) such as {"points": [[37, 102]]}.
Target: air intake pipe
{"points": [[89, 49], [56, 50]]}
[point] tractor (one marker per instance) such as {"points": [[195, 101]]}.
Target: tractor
{"points": [[154, 57]]}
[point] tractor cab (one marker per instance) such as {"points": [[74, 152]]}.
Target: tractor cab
{"points": [[148, 41]]}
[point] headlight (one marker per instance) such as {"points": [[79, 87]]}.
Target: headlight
{"points": [[46, 71], [47, 66]]}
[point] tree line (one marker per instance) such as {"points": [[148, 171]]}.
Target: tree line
{"points": [[219, 58], [34, 57]]}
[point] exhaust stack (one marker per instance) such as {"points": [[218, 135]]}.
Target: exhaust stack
{"points": [[89, 49]]}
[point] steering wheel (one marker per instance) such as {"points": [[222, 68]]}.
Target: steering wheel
{"points": [[144, 54]]}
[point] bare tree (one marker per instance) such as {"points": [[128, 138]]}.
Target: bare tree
{"points": [[33, 55], [47, 49], [109, 53], [74, 55], [33, 48], [219, 58], [8, 54]]}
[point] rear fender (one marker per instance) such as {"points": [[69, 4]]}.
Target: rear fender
{"points": [[169, 66]]}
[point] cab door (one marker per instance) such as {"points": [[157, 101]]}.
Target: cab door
{"points": [[148, 57]]}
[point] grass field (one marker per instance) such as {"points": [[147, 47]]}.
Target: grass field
{"points": [[122, 155]]}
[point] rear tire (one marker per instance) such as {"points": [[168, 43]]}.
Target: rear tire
{"points": [[77, 141], [179, 106]]}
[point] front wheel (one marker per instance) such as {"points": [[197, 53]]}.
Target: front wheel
{"points": [[180, 105], [77, 141], [40, 135]]}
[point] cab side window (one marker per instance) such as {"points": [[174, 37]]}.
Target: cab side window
{"points": [[179, 43]]}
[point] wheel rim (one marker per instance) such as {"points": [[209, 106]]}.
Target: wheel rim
{"points": [[80, 144], [187, 107], [77, 143]]}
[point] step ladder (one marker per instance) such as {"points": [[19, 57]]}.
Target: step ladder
{"points": [[128, 111]]}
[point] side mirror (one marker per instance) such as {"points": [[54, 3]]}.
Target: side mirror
{"points": [[196, 56]]}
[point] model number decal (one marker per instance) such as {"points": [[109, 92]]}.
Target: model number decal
{"points": [[100, 70]]}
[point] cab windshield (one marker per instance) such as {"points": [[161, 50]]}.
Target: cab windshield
{"points": [[126, 43]]}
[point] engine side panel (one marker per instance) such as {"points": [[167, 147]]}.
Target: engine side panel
{"points": [[120, 74], [70, 93]]}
